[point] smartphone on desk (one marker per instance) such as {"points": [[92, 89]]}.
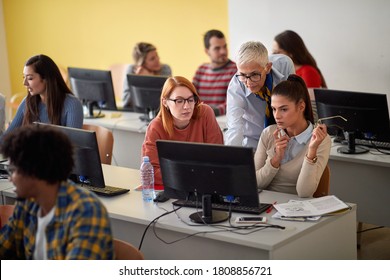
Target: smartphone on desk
{"points": [[251, 220]]}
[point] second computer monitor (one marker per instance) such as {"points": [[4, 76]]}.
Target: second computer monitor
{"points": [[94, 88], [88, 168], [145, 94], [366, 114]]}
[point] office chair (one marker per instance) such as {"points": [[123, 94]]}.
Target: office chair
{"points": [[105, 140], [14, 103], [126, 251], [6, 211], [324, 184]]}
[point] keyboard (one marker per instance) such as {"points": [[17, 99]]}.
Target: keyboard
{"points": [[107, 190], [225, 207], [372, 144]]}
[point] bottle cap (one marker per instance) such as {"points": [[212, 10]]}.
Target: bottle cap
{"points": [[145, 159]]}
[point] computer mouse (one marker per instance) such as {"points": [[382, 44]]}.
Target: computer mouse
{"points": [[160, 197]]}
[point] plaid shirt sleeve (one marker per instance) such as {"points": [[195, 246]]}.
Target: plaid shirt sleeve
{"points": [[84, 232]]}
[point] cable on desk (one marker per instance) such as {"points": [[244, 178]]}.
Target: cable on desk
{"points": [[369, 229], [152, 222]]}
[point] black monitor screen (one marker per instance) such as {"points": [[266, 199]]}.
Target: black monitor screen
{"points": [[367, 114], [145, 94], [214, 169], [88, 168], [94, 88]]}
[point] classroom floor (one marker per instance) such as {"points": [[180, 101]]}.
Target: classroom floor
{"points": [[375, 244]]}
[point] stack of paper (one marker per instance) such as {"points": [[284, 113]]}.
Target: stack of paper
{"points": [[313, 208]]}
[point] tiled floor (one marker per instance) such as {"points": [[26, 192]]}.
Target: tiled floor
{"points": [[375, 244]]}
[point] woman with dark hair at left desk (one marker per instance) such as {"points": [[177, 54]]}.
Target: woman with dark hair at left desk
{"points": [[48, 98]]}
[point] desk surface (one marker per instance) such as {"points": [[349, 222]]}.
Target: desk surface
{"points": [[371, 158], [130, 121], [300, 240]]}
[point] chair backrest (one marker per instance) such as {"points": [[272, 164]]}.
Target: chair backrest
{"points": [[105, 140], [118, 74], [14, 103], [324, 184], [6, 211], [126, 251]]}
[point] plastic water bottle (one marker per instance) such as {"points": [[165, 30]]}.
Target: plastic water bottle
{"points": [[147, 179]]}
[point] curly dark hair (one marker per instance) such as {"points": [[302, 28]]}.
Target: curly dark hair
{"points": [[40, 152]]}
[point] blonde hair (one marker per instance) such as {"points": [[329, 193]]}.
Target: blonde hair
{"points": [[170, 84], [140, 51]]}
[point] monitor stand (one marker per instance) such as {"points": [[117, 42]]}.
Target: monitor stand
{"points": [[148, 116], [208, 216], [351, 148], [91, 114]]}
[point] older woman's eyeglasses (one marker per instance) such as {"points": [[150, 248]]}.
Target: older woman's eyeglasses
{"points": [[255, 77]]}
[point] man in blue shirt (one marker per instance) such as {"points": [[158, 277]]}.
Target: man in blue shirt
{"points": [[248, 96]]}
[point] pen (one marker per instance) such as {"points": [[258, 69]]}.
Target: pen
{"points": [[270, 208]]}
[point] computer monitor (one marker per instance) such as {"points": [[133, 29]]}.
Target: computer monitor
{"points": [[94, 88], [227, 173], [367, 115], [145, 94], [87, 169]]}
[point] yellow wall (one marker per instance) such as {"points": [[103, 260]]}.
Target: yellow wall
{"points": [[97, 33]]}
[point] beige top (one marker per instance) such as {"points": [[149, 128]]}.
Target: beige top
{"points": [[297, 176]]}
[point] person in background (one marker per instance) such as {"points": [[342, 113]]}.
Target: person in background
{"points": [[291, 44], [248, 96], [49, 99], [53, 218], [212, 79], [292, 154], [182, 117], [146, 62]]}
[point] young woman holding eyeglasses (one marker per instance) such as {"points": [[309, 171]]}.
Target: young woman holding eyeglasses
{"points": [[292, 154], [182, 117]]}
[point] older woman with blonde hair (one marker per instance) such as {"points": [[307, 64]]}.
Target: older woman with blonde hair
{"points": [[182, 117]]}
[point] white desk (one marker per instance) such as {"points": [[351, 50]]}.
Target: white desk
{"points": [[364, 180], [329, 238], [129, 134]]}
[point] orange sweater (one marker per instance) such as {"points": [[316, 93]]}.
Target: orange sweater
{"points": [[205, 129]]}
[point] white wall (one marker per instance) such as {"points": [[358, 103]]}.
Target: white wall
{"points": [[350, 39]]}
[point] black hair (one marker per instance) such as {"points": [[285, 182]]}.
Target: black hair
{"points": [[40, 152], [209, 34], [294, 88]]}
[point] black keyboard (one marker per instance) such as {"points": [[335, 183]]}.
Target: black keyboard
{"points": [[107, 190], [225, 207], [372, 144]]}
